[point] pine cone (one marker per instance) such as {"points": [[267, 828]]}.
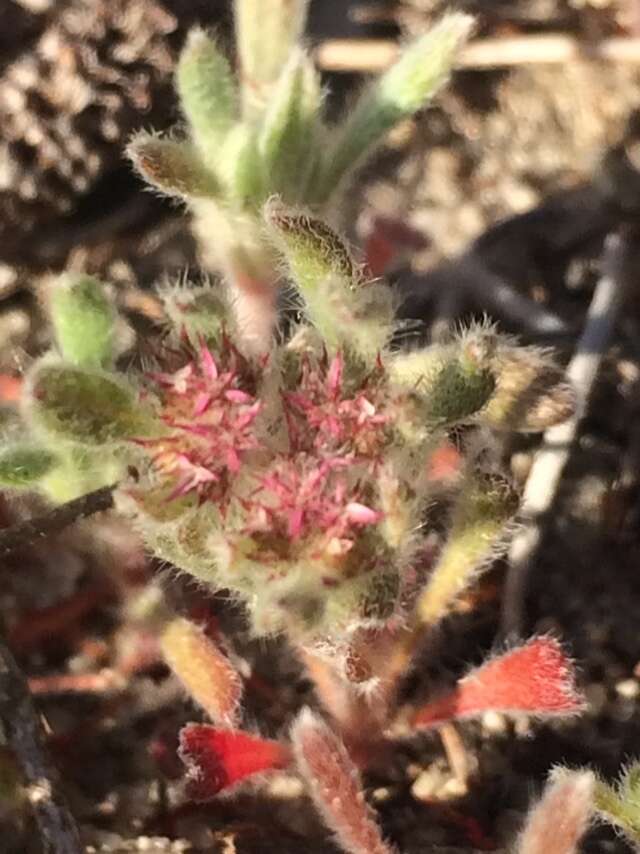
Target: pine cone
{"points": [[69, 100]]}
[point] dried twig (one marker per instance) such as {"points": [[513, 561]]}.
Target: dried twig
{"points": [[544, 477], [106, 681], [30, 532], [370, 56], [23, 732], [456, 753], [467, 279]]}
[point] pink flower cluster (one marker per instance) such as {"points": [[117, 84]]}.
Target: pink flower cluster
{"points": [[301, 497], [317, 489], [210, 420], [322, 415]]}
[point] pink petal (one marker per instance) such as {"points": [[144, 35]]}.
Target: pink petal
{"points": [[233, 460], [203, 401], [209, 366], [334, 375], [236, 395], [360, 514], [295, 523]]}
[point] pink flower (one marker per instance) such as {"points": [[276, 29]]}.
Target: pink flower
{"points": [[313, 498], [211, 418]]}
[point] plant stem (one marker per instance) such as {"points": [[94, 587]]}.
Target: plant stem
{"points": [[34, 530], [23, 733]]}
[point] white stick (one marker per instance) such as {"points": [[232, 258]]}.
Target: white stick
{"points": [[544, 477], [369, 56]]}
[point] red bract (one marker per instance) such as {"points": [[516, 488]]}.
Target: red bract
{"points": [[210, 419], [388, 239], [217, 759], [536, 678]]}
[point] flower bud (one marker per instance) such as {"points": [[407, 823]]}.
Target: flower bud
{"points": [[83, 321], [483, 509], [172, 167]]}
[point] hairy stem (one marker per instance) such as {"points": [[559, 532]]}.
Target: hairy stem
{"points": [[34, 530]]}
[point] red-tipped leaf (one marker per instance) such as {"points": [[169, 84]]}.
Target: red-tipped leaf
{"points": [[536, 678], [218, 759]]}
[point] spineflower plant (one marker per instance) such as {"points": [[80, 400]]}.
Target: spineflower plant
{"points": [[295, 468]]}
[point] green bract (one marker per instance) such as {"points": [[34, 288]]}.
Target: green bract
{"points": [[24, 465], [87, 407]]}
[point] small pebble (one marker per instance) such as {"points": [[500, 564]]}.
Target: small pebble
{"points": [[628, 689], [494, 723], [436, 783], [522, 726], [427, 784], [285, 786], [380, 795]]}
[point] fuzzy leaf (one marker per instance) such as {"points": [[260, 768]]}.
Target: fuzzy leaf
{"points": [[207, 91], [172, 167], [288, 135], [620, 805], [239, 168], [312, 249], [206, 673], [453, 382], [219, 759], [335, 786], [24, 465], [197, 312], [80, 469], [536, 678], [83, 321], [406, 87], [531, 393], [88, 407], [266, 33], [559, 821], [482, 511], [346, 311]]}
